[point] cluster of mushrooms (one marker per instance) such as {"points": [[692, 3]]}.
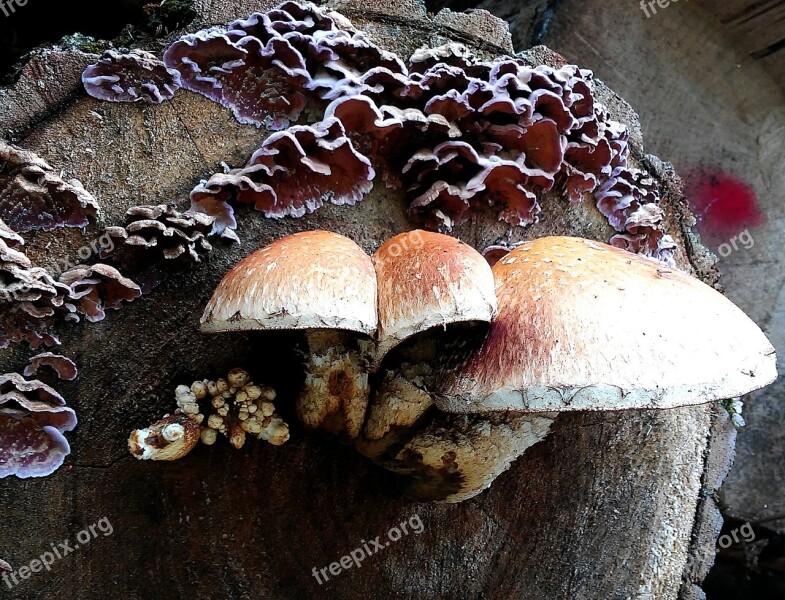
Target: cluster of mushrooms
{"points": [[444, 370]]}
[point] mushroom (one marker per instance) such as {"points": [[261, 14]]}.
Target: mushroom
{"points": [[570, 336], [436, 299], [586, 326], [322, 284], [171, 438]]}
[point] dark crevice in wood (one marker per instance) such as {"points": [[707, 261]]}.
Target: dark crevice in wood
{"points": [[752, 11], [769, 50]]}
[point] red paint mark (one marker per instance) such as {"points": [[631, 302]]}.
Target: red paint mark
{"points": [[724, 206]]}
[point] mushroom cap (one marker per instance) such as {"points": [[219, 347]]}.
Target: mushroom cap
{"points": [[426, 280], [586, 326], [308, 280]]}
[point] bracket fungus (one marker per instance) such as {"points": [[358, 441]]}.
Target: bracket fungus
{"points": [[62, 366], [586, 326], [132, 76], [159, 229], [34, 196], [323, 285], [456, 132], [33, 418], [94, 288], [293, 173]]}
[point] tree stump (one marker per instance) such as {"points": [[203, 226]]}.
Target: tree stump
{"points": [[608, 506]]}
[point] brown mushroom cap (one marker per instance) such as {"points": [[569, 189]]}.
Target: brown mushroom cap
{"points": [[426, 280], [308, 280], [586, 326]]}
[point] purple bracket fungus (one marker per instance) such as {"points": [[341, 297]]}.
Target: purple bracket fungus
{"points": [[9, 237], [453, 177], [262, 83], [134, 76], [323, 285], [236, 406], [267, 67], [691, 345], [33, 418], [29, 299], [160, 229], [63, 366], [34, 196], [495, 252], [293, 173], [94, 288]]}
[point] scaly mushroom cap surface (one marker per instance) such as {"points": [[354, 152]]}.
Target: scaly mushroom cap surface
{"points": [[308, 280], [586, 326], [426, 280]]}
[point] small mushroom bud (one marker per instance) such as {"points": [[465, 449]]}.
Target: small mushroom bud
{"points": [[252, 426], [253, 391], [189, 408], [209, 436], [237, 378], [212, 388], [199, 389], [171, 438], [222, 386], [181, 390], [214, 421], [274, 431], [237, 436]]}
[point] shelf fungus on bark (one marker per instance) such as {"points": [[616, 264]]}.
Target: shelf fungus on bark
{"points": [[161, 230], [34, 196], [292, 174], [586, 326], [62, 366], [322, 285], [33, 418], [131, 76]]}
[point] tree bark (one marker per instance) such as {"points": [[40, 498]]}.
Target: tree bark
{"points": [[606, 507]]}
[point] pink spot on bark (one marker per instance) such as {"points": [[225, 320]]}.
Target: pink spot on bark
{"points": [[724, 205]]}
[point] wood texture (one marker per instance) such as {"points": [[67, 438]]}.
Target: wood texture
{"points": [[605, 507]]}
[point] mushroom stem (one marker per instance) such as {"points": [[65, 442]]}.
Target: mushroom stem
{"points": [[334, 396], [398, 402], [455, 457]]}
